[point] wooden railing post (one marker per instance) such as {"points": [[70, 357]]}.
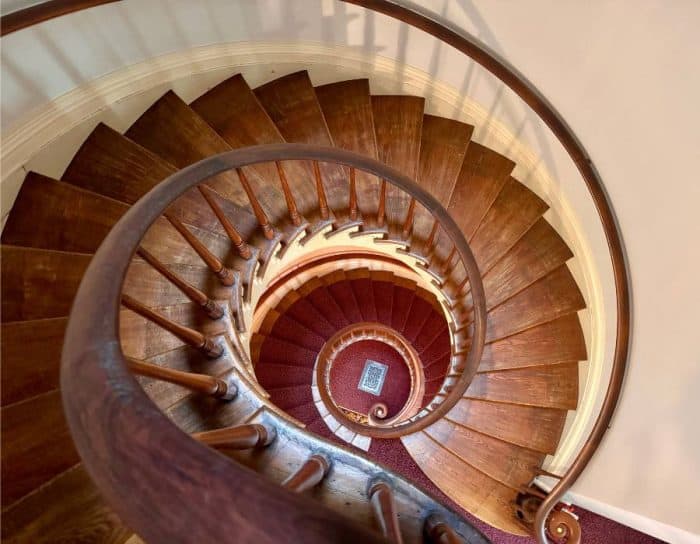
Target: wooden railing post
{"points": [[437, 531], [352, 198], [233, 234], [211, 308], [381, 208], [408, 223], [226, 276], [260, 214], [240, 437], [194, 338], [382, 499], [288, 196], [321, 191], [200, 383], [309, 474]]}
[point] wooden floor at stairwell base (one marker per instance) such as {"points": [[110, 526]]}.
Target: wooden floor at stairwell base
{"points": [[510, 418]]}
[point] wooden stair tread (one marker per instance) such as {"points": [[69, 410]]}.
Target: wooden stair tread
{"points": [[514, 211], [509, 464], [67, 509], [347, 108], [554, 386], [35, 430], [39, 283], [31, 358], [553, 342], [174, 131], [235, 113], [530, 427], [484, 173], [398, 123], [110, 164], [50, 214], [291, 103], [538, 252], [479, 494], [443, 147], [548, 298]]}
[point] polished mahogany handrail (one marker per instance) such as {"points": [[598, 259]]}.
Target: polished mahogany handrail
{"points": [[133, 452], [516, 82]]}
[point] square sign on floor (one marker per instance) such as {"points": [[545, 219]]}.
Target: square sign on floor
{"points": [[373, 375]]}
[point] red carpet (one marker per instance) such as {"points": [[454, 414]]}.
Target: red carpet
{"points": [[289, 352], [347, 370]]}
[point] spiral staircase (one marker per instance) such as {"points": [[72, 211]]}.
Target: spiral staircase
{"points": [[235, 289]]}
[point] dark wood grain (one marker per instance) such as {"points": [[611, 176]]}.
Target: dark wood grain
{"points": [[442, 150], [398, 122], [110, 164], [514, 211], [548, 298], [484, 173], [31, 357], [553, 342], [234, 111], [38, 283], [540, 251], [503, 461], [530, 427], [554, 386], [69, 508], [291, 103], [347, 108], [53, 215], [478, 493], [37, 445]]}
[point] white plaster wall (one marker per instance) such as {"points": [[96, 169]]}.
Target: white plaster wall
{"points": [[626, 76]]}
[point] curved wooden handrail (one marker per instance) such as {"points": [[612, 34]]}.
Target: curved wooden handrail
{"points": [[130, 447], [516, 82]]}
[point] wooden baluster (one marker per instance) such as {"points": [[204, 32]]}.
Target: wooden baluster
{"points": [[431, 237], [288, 196], [233, 234], [461, 286], [382, 500], [408, 223], [194, 338], [381, 209], [212, 309], [448, 261], [322, 202], [239, 437], [352, 204], [260, 214], [309, 474], [225, 275], [200, 383], [437, 531]]}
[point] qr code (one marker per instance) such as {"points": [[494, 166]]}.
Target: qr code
{"points": [[372, 379]]}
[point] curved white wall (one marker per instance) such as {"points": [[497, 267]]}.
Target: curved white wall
{"points": [[627, 80]]}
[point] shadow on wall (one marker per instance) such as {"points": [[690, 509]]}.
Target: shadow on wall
{"points": [[124, 33]]}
